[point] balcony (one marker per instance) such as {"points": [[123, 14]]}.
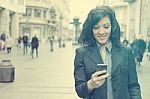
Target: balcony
{"points": [[129, 1]]}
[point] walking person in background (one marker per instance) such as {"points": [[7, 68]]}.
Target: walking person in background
{"points": [[8, 43], [125, 42], [63, 42], [34, 45], [138, 49], [2, 41], [51, 40], [148, 47], [25, 40], [59, 41], [100, 44], [19, 42], [2, 45]]}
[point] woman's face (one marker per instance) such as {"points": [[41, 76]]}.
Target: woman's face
{"points": [[102, 30]]}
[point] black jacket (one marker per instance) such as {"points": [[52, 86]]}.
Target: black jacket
{"points": [[34, 42], [124, 76]]}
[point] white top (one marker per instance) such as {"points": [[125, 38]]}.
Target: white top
{"points": [[8, 42]]}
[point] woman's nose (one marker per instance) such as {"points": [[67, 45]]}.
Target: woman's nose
{"points": [[101, 31]]}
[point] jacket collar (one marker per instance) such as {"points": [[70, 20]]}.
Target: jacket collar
{"points": [[117, 55], [95, 56], [108, 46]]}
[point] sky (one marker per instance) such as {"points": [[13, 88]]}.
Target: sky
{"points": [[81, 8]]}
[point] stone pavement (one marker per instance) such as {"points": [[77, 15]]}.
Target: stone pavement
{"points": [[50, 76], [144, 79]]}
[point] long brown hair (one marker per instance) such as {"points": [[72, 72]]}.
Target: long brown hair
{"points": [[87, 37]]}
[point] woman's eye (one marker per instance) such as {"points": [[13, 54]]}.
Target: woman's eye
{"points": [[96, 27], [106, 26]]}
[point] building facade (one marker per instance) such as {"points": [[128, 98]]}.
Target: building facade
{"points": [[10, 11], [63, 17], [132, 16], [35, 19], [44, 18], [145, 23]]}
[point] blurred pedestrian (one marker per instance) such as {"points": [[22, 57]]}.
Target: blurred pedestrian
{"points": [[34, 45], [25, 41], [8, 43], [2, 45], [3, 37], [63, 42], [125, 42], [138, 49], [19, 42], [148, 47], [59, 41], [51, 40], [100, 40]]}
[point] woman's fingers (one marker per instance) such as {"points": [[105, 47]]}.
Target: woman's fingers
{"points": [[99, 78], [96, 74], [100, 82]]}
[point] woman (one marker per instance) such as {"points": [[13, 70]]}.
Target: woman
{"points": [[100, 38], [8, 43]]}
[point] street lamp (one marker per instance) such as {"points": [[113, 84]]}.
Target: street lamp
{"points": [[76, 23], [52, 23], [53, 19], [60, 32], [60, 29]]}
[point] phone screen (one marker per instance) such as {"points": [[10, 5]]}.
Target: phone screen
{"points": [[101, 67]]}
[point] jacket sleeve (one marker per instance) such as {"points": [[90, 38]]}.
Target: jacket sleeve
{"points": [[79, 75], [134, 87]]}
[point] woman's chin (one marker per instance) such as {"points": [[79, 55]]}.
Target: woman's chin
{"points": [[102, 42]]}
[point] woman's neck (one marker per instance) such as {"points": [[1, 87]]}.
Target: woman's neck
{"points": [[104, 45]]}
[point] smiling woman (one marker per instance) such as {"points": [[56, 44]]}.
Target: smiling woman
{"points": [[100, 44], [102, 30]]}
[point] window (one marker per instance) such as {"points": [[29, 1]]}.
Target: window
{"points": [[37, 12], [148, 32], [45, 1], [21, 2], [28, 11], [11, 1], [129, 1], [49, 1], [44, 14]]}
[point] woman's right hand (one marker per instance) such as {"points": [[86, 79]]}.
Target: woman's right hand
{"points": [[96, 80]]}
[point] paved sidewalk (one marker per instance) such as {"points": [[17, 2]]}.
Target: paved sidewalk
{"points": [[144, 79], [50, 76]]}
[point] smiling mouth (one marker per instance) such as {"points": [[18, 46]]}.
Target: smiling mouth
{"points": [[102, 36]]}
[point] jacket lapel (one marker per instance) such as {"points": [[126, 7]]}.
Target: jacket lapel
{"points": [[117, 55], [94, 55]]}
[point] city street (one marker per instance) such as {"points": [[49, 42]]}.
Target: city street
{"points": [[50, 76]]}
